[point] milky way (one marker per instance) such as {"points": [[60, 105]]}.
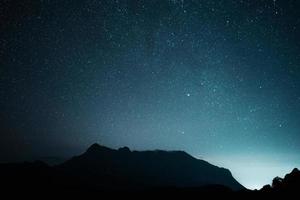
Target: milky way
{"points": [[218, 79]]}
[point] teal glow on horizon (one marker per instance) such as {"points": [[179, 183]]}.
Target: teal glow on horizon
{"points": [[254, 172]]}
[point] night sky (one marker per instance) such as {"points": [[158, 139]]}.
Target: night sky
{"points": [[219, 79]]}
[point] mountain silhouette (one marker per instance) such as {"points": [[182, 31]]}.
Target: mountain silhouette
{"points": [[125, 168], [289, 184], [101, 168]]}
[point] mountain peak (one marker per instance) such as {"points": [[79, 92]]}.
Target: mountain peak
{"points": [[295, 170], [94, 148], [124, 150]]}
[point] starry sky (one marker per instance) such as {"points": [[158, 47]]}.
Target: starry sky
{"points": [[219, 79]]}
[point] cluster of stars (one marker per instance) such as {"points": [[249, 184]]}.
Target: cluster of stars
{"points": [[209, 77]]}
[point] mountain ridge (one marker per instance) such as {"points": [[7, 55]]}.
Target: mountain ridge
{"points": [[148, 168], [101, 168]]}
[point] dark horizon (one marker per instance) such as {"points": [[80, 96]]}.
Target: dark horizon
{"points": [[218, 79]]}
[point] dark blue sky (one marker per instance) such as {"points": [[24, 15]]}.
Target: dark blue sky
{"points": [[216, 78]]}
